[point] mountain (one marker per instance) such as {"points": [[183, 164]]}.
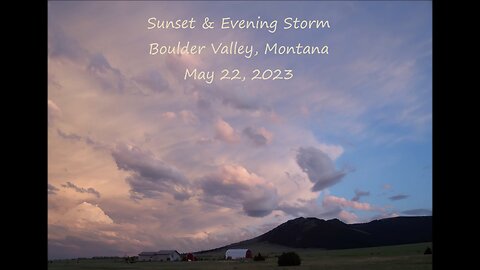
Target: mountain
{"points": [[334, 234]]}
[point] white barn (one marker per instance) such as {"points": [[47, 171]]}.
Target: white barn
{"points": [[235, 254], [159, 256]]}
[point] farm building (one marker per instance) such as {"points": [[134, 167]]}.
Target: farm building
{"points": [[159, 256], [190, 257], [238, 254]]}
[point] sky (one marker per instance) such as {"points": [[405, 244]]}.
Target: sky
{"points": [[140, 159]]}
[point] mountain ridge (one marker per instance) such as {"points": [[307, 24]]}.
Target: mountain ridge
{"points": [[311, 232]]}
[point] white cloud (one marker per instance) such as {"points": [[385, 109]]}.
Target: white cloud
{"points": [[84, 215]]}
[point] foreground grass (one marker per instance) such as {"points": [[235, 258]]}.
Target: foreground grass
{"points": [[402, 257]]}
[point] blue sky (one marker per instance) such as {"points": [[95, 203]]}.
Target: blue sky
{"points": [[135, 150]]}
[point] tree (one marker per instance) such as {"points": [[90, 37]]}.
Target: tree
{"points": [[258, 257], [289, 259]]}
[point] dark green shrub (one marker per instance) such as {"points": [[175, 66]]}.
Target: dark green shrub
{"points": [[289, 259], [428, 251], [258, 257]]}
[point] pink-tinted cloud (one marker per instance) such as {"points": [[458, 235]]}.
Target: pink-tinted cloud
{"points": [[225, 132], [348, 217], [234, 185], [334, 200], [164, 148], [188, 117], [169, 115], [53, 111]]}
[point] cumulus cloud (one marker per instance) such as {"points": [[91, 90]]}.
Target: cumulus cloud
{"points": [[52, 190], [334, 200], [82, 190], [418, 212], [330, 207], [84, 214], [150, 176], [261, 202], [305, 208], [359, 194], [234, 185], [258, 137], [398, 197], [319, 168], [225, 132]]}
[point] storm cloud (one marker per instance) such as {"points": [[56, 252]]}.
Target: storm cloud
{"points": [[319, 168], [234, 185], [150, 176]]}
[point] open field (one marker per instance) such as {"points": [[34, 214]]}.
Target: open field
{"points": [[402, 257]]}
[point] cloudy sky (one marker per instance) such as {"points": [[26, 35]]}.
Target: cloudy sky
{"points": [[140, 159]]}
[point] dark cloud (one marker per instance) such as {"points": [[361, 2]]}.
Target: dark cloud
{"points": [[328, 180], [60, 45], [418, 212], [52, 190], [398, 197], [359, 194], [109, 77], [255, 137], [240, 102], [76, 137], [261, 205], [319, 168], [150, 176], [213, 185], [98, 63], [82, 190], [153, 80], [70, 136]]}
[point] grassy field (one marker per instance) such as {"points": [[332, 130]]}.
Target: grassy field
{"points": [[402, 257]]}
